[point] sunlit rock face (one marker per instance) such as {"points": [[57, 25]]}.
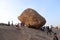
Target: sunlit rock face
{"points": [[31, 18]]}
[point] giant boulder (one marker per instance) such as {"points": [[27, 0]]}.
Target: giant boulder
{"points": [[31, 18]]}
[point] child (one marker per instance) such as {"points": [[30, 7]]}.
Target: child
{"points": [[55, 36]]}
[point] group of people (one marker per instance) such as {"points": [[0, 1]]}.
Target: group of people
{"points": [[47, 29], [19, 25], [50, 31]]}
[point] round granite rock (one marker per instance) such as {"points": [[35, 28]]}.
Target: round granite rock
{"points": [[31, 18]]}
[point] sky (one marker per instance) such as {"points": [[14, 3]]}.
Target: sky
{"points": [[11, 9]]}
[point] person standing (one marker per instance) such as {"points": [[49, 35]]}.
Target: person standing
{"points": [[55, 36]]}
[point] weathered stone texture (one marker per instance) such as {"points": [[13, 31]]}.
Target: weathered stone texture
{"points": [[31, 18]]}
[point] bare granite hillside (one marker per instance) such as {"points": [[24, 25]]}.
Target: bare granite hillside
{"points": [[25, 33]]}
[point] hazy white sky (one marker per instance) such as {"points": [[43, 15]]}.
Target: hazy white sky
{"points": [[11, 9]]}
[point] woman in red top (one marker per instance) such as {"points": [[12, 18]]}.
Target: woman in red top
{"points": [[55, 36]]}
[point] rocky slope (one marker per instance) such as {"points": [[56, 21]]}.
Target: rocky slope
{"points": [[25, 33]]}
